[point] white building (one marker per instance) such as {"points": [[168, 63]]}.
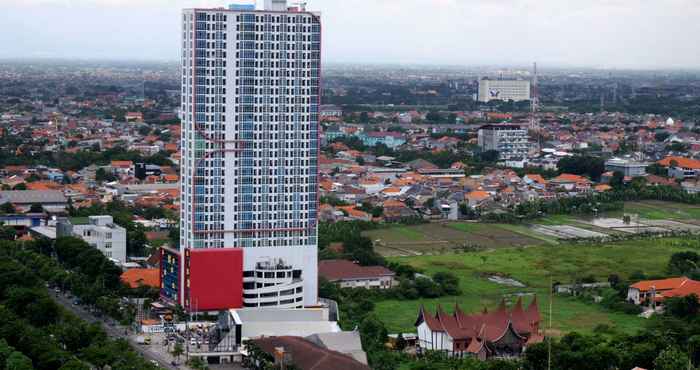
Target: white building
{"points": [[511, 141], [250, 106], [628, 167], [253, 323], [102, 233], [504, 90]]}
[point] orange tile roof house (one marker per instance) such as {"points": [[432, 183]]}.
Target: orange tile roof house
{"points": [[571, 182], [355, 214], [476, 197], [647, 290], [122, 165], [535, 179], [135, 278], [681, 167]]}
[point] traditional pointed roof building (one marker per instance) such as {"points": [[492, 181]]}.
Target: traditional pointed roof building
{"points": [[484, 335]]}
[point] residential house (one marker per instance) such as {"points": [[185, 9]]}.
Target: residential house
{"points": [[121, 167], [395, 211], [536, 181], [681, 167], [353, 213], [476, 199], [647, 291], [571, 183], [348, 274]]}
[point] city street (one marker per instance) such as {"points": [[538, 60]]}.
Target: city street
{"points": [[116, 331]]}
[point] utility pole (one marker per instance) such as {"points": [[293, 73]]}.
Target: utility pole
{"points": [[534, 106], [549, 340], [534, 99]]}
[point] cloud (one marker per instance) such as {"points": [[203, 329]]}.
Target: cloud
{"points": [[623, 33]]}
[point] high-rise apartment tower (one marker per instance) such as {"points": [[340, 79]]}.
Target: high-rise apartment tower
{"points": [[249, 170]]}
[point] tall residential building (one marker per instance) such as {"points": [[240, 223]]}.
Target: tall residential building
{"points": [[515, 90], [511, 141], [250, 144]]}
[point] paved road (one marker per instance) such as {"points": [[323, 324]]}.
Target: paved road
{"points": [[113, 329]]}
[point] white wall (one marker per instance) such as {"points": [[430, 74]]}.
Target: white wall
{"points": [[100, 237], [300, 257]]}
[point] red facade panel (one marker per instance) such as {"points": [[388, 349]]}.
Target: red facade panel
{"points": [[215, 279]]}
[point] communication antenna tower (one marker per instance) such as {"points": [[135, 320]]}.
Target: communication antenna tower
{"points": [[534, 106]]}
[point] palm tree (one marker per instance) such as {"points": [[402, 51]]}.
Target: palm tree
{"points": [[178, 351]]}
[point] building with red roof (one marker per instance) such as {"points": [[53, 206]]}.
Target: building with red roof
{"points": [[658, 290], [135, 278], [485, 335], [305, 354], [571, 182], [681, 167], [351, 275]]}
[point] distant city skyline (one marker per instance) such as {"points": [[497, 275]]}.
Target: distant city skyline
{"points": [[640, 34]]}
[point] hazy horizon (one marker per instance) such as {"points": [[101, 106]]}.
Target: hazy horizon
{"points": [[608, 34]]}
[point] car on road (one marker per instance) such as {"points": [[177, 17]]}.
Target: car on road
{"points": [[143, 340]]}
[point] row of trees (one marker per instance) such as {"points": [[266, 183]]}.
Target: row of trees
{"points": [[33, 325], [355, 247], [76, 161], [589, 166], [82, 269], [13, 359]]}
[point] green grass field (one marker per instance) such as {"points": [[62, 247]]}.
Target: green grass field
{"points": [[555, 220], [533, 267], [440, 238], [519, 252], [399, 234], [656, 210], [447, 237]]}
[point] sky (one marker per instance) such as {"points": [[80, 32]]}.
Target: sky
{"points": [[639, 34]]}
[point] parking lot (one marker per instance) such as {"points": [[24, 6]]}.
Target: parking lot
{"points": [[197, 340]]}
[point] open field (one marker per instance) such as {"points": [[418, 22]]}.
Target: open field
{"points": [[658, 210], [530, 253], [532, 266], [447, 237], [437, 238]]}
